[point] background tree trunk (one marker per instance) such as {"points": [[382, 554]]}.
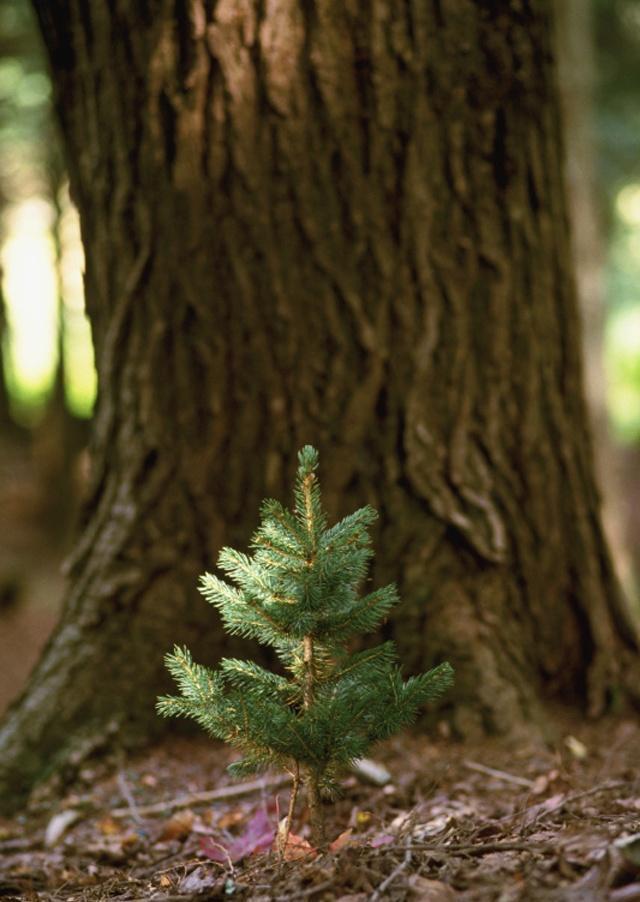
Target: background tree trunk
{"points": [[6, 420], [341, 224], [576, 69], [61, 436]]}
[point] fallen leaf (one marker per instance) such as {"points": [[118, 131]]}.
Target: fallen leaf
{"points": [[531, 815], [433, 827], [430, 890], [298, 847], [543, 781], [115, 851], [382, 839], [58, 825], [631, 804], [198, 880], [149, 780], [79, 878], [165, 881], [216, 851], [257, 837], [401, 820], [109, 827], [177, 827], [345, 839], [231, 818], [363, 818]]}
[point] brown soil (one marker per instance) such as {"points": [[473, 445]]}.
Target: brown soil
{"points": [[550, 824]]}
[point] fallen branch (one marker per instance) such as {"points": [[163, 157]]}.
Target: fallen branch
{"points": [[541, 813], [576, 796], [404, 864], [20, 844], [484, 848], [499, 774], [628, 893], [203, 798], [214, 795]]}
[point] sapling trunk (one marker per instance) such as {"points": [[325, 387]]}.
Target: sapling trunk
{"points": [[310, 777], [314, 802], [299, 592], [316, 811]]}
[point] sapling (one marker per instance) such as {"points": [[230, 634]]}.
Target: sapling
{"points": [[298, 592]]}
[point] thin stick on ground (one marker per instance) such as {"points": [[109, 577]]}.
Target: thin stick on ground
{"points": [[483, 848], [386, 883], [499, 774], [562, 803], [203, 798], [127, 795]]}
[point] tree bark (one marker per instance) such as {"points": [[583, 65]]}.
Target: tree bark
{"points": [[344, 224]]}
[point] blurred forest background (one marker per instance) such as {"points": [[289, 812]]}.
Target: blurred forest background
{"points": [[47, 376]]}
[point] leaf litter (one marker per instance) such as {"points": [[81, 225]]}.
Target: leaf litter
{"points": [[453, 821]]}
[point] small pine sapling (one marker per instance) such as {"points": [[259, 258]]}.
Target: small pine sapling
{"points": [[299, 593]]}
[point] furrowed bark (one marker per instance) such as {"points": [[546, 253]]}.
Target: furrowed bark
{"points": [[340, 224]]}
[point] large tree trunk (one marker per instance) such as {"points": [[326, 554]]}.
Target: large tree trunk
{"points": [[338, 223]]}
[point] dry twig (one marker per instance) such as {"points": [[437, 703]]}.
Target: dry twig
{"points": [[484, 848], [568, 800], [127, 795], [203, 798], [499, 774], [386, 883]]}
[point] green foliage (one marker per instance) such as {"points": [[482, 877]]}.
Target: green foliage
{"points": [[26, 136], [299, 593]]}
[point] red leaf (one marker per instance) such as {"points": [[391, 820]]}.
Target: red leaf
{"points": [[258, 837]]}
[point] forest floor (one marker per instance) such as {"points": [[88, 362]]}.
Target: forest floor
{"points": [[448, 821], [558, 822]]}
